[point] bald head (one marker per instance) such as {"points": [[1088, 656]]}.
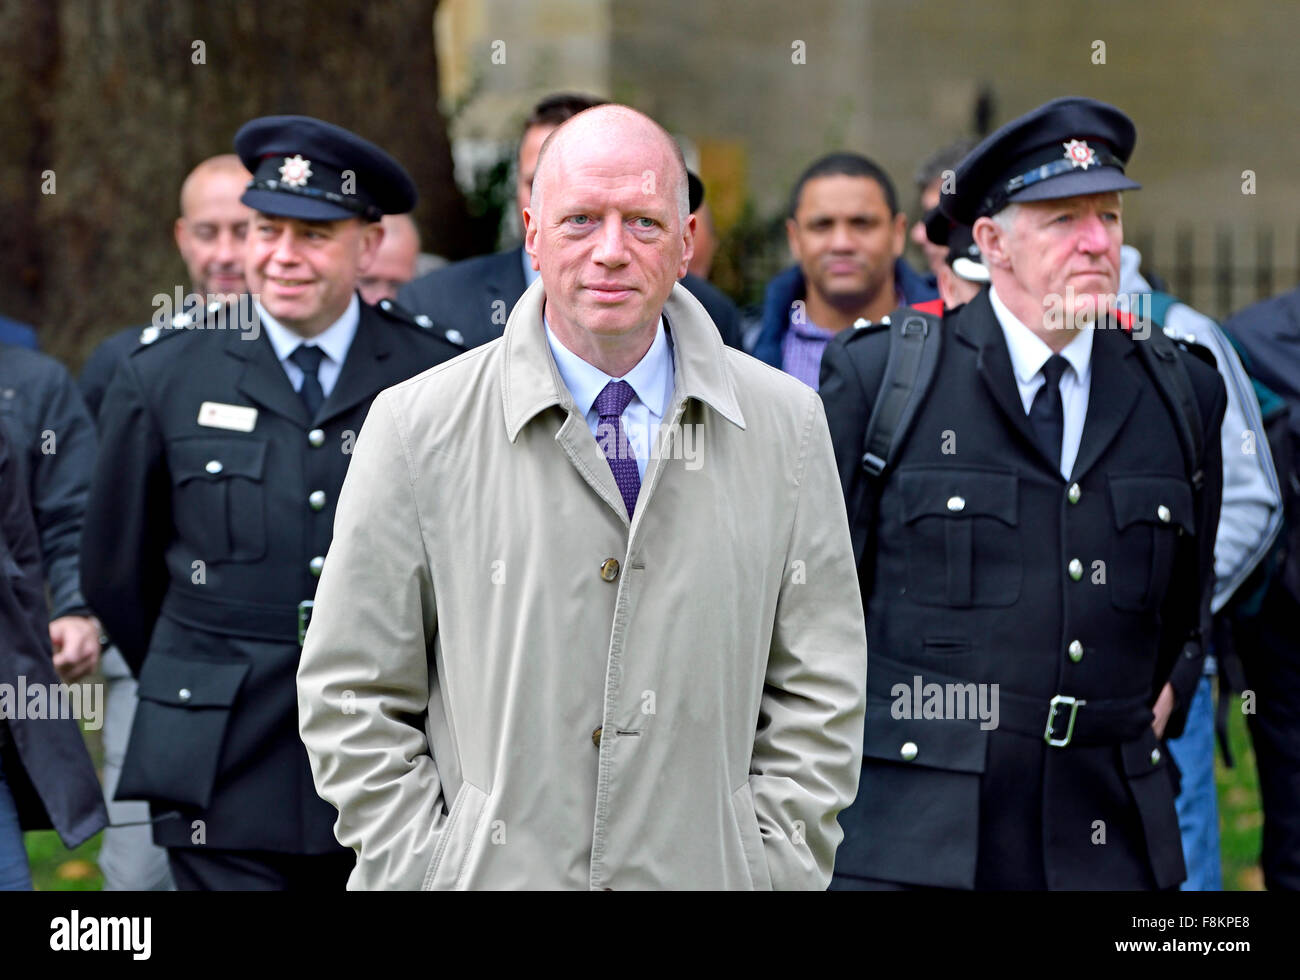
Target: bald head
{"points": [[394, 263], [224, 168], [635, 133], [213, 224]]}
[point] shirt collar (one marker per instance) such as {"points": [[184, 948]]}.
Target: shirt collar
{"points": [[701, 366], [1029, 352], [651, 378], [334, 340]]}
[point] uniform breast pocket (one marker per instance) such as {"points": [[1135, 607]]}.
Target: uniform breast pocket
{"points": [[1150, 513], [219, 505], [963, 545]]}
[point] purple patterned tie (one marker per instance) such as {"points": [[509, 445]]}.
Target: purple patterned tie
{"points": [[612, 437]]}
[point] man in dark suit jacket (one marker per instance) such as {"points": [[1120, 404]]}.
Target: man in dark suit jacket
{"points": [[1037, 557], [1267, 639], [469, 301], [212, 508]]}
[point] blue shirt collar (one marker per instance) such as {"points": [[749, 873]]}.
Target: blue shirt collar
{"points": [[651, 378]]}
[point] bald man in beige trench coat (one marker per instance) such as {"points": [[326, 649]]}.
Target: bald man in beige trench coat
{"points": [[508, 681]]}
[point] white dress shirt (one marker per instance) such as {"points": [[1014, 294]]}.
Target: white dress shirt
{"points": [[1028, 355], [651, 379], [334, 343]]}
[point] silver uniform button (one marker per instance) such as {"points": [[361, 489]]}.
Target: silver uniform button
{"points": [[1074, 493], [1155, 757], [385, 304], [184, 694], [316, 564], [455, 336], [214, 466], [1076, 651], [956, 503], [423, 320], [1162, 512], [908, 751], [1076, 569], [316, 438], [317, 499]]}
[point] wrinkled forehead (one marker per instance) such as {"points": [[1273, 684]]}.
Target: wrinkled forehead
{"points": [[633, 166]]}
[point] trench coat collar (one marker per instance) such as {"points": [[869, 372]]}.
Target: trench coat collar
{"points": [[530, 381]]}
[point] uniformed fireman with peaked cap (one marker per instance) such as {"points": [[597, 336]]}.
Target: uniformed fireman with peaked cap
{"points": [[223, 452], [1035, 548]]}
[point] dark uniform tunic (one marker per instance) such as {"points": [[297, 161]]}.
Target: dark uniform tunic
{"points": [[974, 580], [206, 532]]}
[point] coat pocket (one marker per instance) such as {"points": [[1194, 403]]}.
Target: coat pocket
{"points": [[179, 729], [751, 838], [1150, 513], [456, 839], [916, 816], [956, 520], [219, 506]]}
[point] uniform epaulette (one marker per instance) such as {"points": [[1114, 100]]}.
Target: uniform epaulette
{"points": [[181, 323], [420, 321], [1187, 342], [863, 327]]}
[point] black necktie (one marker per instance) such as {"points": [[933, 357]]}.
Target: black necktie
{"points": [[308, 359], [1047, 414]]}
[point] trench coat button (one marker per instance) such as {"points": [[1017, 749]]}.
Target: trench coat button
{"points": [[1074, 493], [1075, 650], [609, 569], [184, 694], [908, 751], [956, 503], [317, 499], [1155, 757], [316, 438], [214, 466], [1162, 512], [316, 564], [1076, 569], [595, 737]]}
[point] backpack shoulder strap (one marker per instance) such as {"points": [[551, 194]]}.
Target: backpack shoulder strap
{"points": [[914, 342], [1160, 354]]}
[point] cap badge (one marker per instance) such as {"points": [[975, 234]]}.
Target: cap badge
{"points": [[295, 170], [1079, 153]]}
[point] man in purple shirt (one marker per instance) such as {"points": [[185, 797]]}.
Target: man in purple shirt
{"points": [[847, 235]]}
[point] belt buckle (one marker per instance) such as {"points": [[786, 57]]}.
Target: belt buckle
{"points": [[1060, 699], [304, 620]]}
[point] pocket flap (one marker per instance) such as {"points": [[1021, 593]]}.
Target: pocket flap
{"points": [[207, 458], [954, 744], [1158, 500], [953, 492], [189, 683], [1139, 753]]}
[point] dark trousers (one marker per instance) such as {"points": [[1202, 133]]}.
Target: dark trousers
{"points": [[206, 869], [1269, 648]]}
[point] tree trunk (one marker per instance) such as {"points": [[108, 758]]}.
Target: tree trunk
{"points": [[121, 99]]}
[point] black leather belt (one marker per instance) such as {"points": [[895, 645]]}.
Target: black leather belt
{"points": [[1060, 720], [252, 621]]}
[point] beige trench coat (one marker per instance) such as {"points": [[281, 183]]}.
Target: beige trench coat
{"points": [[505, 686]]}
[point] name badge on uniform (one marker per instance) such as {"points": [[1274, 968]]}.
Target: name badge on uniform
{"points": [[240, 418]]}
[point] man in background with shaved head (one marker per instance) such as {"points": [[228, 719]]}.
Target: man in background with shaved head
{"points": [[210, 236], [590, 618], [395, 262]]}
